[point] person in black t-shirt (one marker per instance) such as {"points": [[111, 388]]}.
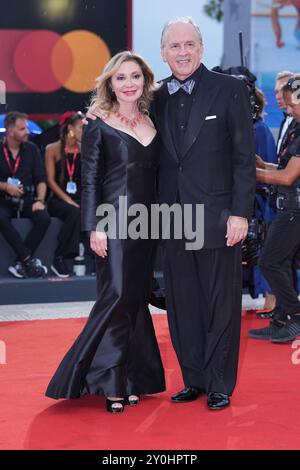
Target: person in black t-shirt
{"points": [[22, 190], [283, 238]]}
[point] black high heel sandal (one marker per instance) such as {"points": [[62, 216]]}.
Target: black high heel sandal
{"points": [[115, 409], [133, 401]]}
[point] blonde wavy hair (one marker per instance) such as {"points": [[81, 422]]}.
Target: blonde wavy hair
{"points": [[103, 96]]}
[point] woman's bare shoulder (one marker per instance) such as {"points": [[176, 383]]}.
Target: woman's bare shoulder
{"points": [[53, 149]]}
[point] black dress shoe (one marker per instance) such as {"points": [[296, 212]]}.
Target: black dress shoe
{"points": [[112, 405], [217, 401], [190, 393], [132, 400]]}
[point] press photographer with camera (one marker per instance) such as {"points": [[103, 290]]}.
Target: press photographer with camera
{"points": [[266, 194], [283, 238], [22, 192]]}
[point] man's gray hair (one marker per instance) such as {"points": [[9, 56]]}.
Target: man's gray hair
{"points": [[284, 74], [183, 19]]}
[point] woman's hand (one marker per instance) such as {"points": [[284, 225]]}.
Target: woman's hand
{"points": [[259, 162], [73, 203], [98, 242], [38, 206]]}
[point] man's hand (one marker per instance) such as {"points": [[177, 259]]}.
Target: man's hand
{"points": [[96, 113], [38, 206], [98, 243], [237, 229], [15, 190]]}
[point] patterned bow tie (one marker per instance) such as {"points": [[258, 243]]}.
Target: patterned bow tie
{"points": [[174, 85]]}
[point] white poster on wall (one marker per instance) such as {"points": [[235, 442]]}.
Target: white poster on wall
{"points": [[275, 46]]}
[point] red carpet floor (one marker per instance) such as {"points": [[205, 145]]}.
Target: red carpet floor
{"points": [[265, 411]]}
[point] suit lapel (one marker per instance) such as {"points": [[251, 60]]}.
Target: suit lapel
{"points": [[163, 119], [204, 97]]}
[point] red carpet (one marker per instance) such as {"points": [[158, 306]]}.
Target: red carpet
{"points": [[265, 411]]}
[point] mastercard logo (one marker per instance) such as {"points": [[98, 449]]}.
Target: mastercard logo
{"points": [[43, 61]]}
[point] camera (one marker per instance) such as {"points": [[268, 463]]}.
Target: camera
{"points": [[269, 191], [252, 244], [18, 202], [244, 74]]}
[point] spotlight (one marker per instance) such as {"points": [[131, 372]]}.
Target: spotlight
{"points": [[57, 9]]}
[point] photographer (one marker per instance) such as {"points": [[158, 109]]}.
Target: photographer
{"points": [[283, 238], [265, 199], [22, 190]]}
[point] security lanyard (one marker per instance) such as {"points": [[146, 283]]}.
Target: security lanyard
{"points": [[17, 162], [71, 166]]}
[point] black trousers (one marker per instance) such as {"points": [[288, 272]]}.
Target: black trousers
{"points": [[40, 223], [204, 296], [295, 268], [276, 261], [69, 236]]}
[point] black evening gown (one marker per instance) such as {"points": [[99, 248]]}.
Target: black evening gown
{"points": [[116, 353]]}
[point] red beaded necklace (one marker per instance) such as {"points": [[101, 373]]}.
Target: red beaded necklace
{"points": [[129, 122]]}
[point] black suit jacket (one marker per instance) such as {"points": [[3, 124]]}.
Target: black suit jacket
{"points": [[217, 165]]}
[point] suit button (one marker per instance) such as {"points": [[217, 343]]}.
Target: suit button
{"points": [[180, 168]]}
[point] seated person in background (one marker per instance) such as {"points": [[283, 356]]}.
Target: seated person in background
{"points": [[22, 190], [276, 6], [63, 169]]}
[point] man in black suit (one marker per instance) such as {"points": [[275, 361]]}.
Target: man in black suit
{"points": [[207, 158]]}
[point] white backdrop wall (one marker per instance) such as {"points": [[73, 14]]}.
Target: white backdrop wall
{"points": [[149, 17]]}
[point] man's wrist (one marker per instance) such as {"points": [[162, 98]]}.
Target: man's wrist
{"points": [[4, 186], [39, 199]]}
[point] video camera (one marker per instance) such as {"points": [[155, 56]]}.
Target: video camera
{"points": [[244, 74]]}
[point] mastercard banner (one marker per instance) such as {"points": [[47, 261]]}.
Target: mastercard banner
{"points": [[52, 51]]}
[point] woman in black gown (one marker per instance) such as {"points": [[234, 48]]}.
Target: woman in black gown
{"points": [[116, 355]]}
